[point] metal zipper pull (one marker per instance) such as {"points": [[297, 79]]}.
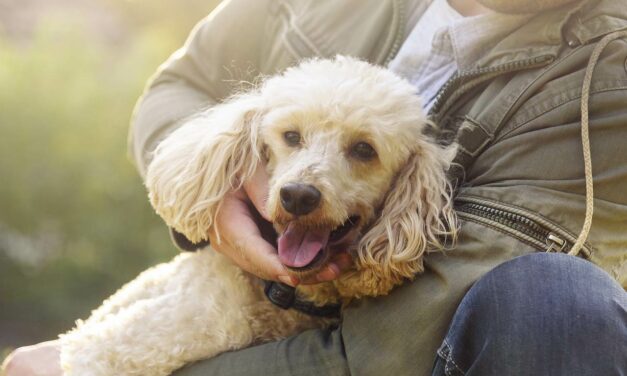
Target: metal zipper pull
{"points": [[554, 243]]}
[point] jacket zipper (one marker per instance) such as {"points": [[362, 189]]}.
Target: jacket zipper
{"points": [[535, 231], [448, 94]]}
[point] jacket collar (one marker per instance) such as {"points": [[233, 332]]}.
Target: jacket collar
{"points": [[546, 33]]}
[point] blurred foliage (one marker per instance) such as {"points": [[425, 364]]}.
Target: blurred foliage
{"points": [[75, 223]]}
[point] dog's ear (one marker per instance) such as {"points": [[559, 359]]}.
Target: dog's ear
{"points": [[417, 217], [198, 164]]}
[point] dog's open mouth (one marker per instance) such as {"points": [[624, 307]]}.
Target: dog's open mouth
{"points": [[302, 248], [340, 232]]}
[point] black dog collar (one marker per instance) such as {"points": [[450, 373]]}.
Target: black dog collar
{"points": [[284, 296]]}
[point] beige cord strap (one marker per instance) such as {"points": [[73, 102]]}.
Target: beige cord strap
{"points": [[585, 138]]}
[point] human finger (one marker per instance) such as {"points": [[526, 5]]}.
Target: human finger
{"points": [[240, 239], [42, 359], [338, 264], [256, 189]]}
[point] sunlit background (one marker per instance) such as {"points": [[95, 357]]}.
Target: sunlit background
{"points": [[75, 223]]}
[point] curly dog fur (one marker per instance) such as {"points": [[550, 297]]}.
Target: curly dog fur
{"points": [[352, 132]]}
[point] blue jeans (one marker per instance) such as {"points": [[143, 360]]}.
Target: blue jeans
{"points": [[540, 314]]}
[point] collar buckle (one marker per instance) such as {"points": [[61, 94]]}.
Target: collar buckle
{"points": [[280, 294], [284, 296]]}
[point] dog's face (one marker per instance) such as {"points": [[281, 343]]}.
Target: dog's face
{"points": [[334, 140], [328, 177], [350, 166]]}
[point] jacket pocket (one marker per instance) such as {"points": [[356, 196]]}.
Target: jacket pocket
{"points": [[522, 224]]}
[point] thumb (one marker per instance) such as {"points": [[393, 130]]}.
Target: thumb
{"points": [[256, 188]]}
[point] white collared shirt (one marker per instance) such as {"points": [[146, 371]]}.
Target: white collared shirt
{"points": [[443, 42]]}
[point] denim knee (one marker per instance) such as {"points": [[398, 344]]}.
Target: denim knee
{"points": [[539, 314]]}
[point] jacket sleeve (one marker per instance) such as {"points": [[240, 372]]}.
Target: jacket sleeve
{"points": [[314, 352], [201, 73], [397, 334]]}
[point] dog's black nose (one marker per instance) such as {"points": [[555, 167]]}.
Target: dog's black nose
{"points": [[300, 199]]}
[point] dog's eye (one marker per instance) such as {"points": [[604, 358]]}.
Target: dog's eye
{"points": [[292, 138], [363, 151]]}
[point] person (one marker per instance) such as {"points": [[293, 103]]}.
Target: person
{"points": [[506, 80]]}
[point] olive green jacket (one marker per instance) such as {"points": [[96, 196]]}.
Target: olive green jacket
{"points": [[521, 179]]}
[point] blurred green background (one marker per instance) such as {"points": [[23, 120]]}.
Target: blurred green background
{"points": [[75, 223]]}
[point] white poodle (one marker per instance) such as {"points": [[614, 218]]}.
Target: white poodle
{"points": [[351, 169]]}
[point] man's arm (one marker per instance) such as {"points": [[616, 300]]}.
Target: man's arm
{"points": [[224, 47], [314, 352], [398, 334]]}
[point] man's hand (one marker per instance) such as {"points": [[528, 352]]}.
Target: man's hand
{"points": [[37, 360], [241, 239]]}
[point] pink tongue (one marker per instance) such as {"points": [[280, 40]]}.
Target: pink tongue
{"points": [[298, 247]]}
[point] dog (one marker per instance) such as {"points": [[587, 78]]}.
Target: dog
{"points": [[351, 169]]}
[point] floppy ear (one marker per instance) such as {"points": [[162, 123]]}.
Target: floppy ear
{"points": [[195, 166], [416, 216]]}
